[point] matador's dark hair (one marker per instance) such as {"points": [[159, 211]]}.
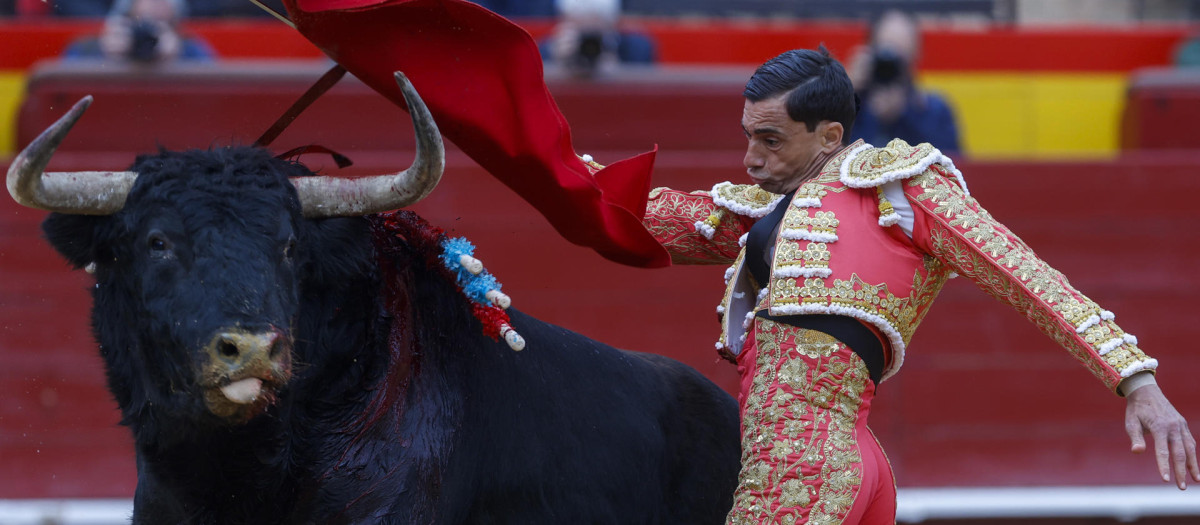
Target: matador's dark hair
{"points": [[816, 85]]}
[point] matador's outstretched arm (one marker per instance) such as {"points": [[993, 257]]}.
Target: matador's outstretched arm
{"points": [[954, 228]]}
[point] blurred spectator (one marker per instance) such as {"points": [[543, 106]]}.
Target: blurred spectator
{"points": [[195, 8], [511, 8], [84, 8], [588, 40], [892, 106], [232, 8], [143, 31], [1187, 54]]}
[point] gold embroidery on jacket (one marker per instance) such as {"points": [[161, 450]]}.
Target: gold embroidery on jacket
{"points": [[800, 460], [924, 291], [671, 216], [818, 222], [811, 191], [801, 253], [798, 286], [903, 314], [979, 247], [872, 166], [809, 256], [752, 197]]}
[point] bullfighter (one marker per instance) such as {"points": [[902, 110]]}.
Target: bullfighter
{"points": [[838, 250]]}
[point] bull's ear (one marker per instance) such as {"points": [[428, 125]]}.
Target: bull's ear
{"points": [[74, 236]]}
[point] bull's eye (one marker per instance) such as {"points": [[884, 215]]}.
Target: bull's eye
{"points": [[159, 245]]}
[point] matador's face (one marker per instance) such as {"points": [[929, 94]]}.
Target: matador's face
{"points": [[780, 152]]}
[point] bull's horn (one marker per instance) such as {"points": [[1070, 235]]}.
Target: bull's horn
{"points": [[81, 192], [339, 197]]}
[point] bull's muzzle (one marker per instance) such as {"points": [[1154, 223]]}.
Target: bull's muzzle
{"points": [[242, 371]]}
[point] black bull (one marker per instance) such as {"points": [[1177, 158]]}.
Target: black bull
{"points": [[275, 367]]}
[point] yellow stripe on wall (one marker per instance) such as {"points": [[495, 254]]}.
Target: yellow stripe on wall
{"points": [[12, 89], [1035, 115]]}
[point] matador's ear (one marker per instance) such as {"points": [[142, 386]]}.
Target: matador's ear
{"points": [[831, 134]]}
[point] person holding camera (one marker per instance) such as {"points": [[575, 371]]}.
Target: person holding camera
{"points": [[588, 40], [892, 105], [142, 31]]}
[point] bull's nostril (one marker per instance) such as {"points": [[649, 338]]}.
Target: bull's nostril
{"points": [[227, 349], [240, 348], [276, 347]]}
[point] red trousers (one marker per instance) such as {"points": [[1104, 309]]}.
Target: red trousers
{"points": [[807, 454]]}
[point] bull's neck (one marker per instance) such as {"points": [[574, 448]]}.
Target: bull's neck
{"points": [[220, 476]]}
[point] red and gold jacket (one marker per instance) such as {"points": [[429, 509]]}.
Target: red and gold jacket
{"points": [[840, 250]]}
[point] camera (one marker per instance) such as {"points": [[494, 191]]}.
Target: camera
{"points": [[587, 54], [887, 68], [144, 38], [593, 52]]}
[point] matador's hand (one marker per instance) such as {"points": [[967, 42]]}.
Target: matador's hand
{"points": [[1147, 410]]}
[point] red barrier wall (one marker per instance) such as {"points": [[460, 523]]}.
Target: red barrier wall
{"points": [[983, 399], [136, 109], [1162, 110]]}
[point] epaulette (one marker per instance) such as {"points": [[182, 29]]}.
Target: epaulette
{"points": [[747, 200], [869, 167]]}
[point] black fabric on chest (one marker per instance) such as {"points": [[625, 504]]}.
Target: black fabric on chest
{"points": [[760, 239]]}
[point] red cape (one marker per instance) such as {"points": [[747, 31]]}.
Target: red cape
{"points": [[481, 77]]}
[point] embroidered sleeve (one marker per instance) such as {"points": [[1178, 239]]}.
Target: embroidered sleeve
{"points": [[693, 228], [952, 227]]}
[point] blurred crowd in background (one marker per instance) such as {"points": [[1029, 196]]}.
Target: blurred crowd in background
{"points": [[593, 37], [102, 8], [1016, 11]]}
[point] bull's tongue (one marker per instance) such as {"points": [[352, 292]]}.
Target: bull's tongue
{"points": [[244, 391]]}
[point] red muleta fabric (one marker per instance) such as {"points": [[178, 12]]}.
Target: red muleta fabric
{"points": [[481, 77]]}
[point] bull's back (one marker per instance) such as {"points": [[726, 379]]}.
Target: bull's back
{"points": [[573, 429]]}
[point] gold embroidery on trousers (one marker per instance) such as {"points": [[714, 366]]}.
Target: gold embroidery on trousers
{"points": [[800, 460]]}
